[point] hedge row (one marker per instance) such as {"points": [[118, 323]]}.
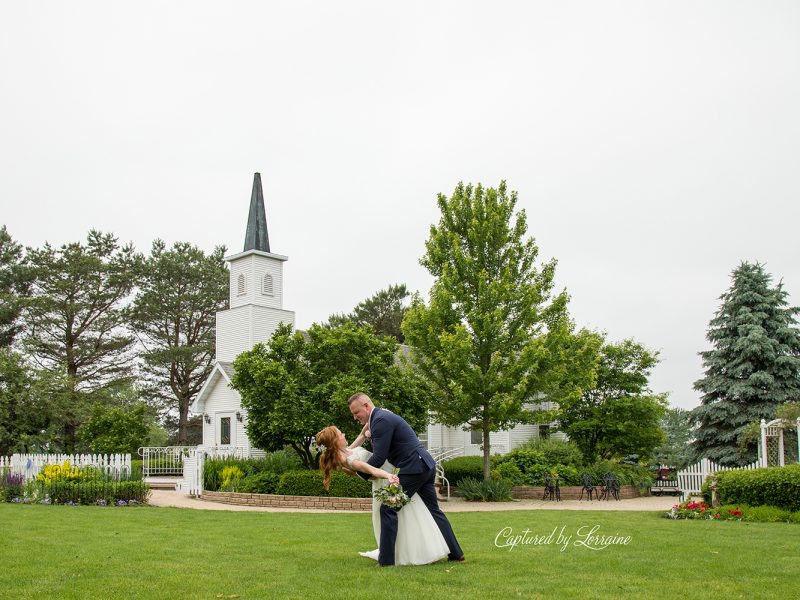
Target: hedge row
{"points": [[521, 467], [773, 486]]}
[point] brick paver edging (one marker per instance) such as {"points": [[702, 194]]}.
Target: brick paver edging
{"points": [[275, 501]]}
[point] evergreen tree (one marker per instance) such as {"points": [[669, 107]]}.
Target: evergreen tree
{"points": [[174, 314], [76, 322], [14, 285], [383, 312], [752, 368], [494, 338]]}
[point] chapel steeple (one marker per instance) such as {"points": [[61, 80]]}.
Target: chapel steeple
{"points": [[257, 237]]}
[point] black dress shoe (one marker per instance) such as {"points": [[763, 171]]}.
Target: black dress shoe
{"points": [[459, 559]]}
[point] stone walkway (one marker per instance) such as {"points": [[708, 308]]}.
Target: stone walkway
{"points": [[646, 503]]}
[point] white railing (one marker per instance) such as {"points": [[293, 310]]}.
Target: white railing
{"points": [[166, 461], [690, 479], [29, 465], [440, 455]]}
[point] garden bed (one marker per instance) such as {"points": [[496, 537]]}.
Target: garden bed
{"points": [[532, 492]]}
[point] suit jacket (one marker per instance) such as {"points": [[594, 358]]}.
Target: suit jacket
{"points": [[395, 441]]}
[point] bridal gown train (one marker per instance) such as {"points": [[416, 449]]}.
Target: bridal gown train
{"points": [[419, 540]]}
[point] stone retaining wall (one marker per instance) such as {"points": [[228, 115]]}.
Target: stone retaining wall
{"points": [[274, 501]]}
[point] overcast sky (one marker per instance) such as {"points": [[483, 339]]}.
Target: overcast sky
{"points": [[654, 145]]}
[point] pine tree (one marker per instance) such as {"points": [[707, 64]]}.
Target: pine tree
{"points": [[752, 368]]}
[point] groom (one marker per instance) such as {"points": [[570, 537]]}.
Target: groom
{"points": [[395, 441]]}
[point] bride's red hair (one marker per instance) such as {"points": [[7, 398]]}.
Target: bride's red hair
{"points": [[331, 458]]}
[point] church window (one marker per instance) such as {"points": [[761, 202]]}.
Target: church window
{"points": [[225, 431], [240, 285], [267, 288], [476, 437]]}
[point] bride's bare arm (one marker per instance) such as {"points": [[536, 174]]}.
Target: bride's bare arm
{"points": [[370, 470]]}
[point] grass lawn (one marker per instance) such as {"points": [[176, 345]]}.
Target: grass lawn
{"points": [[93, 552]]}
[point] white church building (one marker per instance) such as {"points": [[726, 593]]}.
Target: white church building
{"points": [[256, 310]]}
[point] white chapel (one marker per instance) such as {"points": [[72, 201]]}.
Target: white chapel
{"points": [[256, 310]]}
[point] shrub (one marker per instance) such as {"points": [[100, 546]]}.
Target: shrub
{"points": [[309, 483], [508, 472], [555, 451], [527, 460], [11, 486], [768, 514], [627, 474], [773, 486], [97, 492], [276, 462], [485, 491], [230, 477], [260, 483], [461, 467]]}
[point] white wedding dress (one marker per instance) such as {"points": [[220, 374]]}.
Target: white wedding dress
{"points": [[419, 540]]}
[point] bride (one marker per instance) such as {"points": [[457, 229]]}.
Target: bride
{"points": [[419, 540]]}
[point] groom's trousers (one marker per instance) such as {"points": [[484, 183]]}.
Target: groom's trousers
{"points": [[422, 484]]}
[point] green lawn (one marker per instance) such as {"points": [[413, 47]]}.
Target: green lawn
{"points": [[92, 552]]}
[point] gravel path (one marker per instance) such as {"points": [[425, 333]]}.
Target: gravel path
{"points": [[647, 503]]}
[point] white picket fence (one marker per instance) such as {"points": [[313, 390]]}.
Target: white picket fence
{"points": [[29, 465], [690, 479]]}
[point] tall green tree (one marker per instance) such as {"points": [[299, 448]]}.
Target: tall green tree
{"points": [[14, 286], [76, 322], [383, 312], [174, 315], [619, 415], [752, 367], [493, 339], [676, 450], [297, 385]]}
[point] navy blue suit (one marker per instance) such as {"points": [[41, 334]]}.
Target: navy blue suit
{"points": [[395, 441]]}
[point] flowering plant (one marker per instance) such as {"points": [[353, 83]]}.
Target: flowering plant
{"points": [[700, 510], [392, 495]]}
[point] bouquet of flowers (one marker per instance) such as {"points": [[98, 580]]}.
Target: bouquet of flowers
{"points": [[392, 495]]}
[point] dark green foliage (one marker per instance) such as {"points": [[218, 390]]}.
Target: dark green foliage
{"points": [[179, 293], [275, 463], [508, 472], [75, 325], [619, 415], [309, 483], [494, 335], [752, 368], [462, 467], [260, 483], [769, 514], [15, 277], [92, 492], [111, 429], [675, 451], [555, 451], [296, 386], [490, 490], [775, 486], [382, 312]]}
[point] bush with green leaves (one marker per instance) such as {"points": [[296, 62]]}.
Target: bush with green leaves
{"points": [[484, 491], [231, 476], [309, 483], [277, 462], [96, 492], [555, 451], [773, 486], [637, 475], [461, 467], [508, 472], [260, 483]]}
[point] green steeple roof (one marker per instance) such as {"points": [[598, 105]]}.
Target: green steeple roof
{"points": [[257, 237]]}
